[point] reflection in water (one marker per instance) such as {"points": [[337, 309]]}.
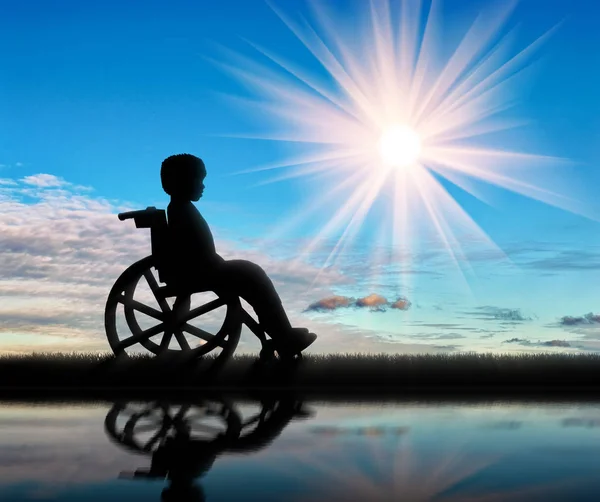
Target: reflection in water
{"points": [[185, 440], [219, 449]]}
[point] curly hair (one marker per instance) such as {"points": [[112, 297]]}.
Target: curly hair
{"points": [[177, 171]]}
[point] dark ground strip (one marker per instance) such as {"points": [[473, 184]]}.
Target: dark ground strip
{"points": [[356, 376]]}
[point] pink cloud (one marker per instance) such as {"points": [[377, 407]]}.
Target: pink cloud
{"points": [[401, 304], [331, 303], [373, 300]]}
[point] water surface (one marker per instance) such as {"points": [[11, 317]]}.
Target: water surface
{"points": [[221, 449]]}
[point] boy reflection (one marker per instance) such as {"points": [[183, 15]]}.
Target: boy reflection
{"points": [[181, 459]]}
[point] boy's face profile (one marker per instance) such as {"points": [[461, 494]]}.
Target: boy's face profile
{"points": [[197, 183]]}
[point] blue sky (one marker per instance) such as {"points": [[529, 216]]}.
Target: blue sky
{"points": [[94, 95]]}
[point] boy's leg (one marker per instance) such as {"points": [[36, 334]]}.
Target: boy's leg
{"points": [[248, 280]]}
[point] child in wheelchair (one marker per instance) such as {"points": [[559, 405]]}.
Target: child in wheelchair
{"points": [[196, 261]]}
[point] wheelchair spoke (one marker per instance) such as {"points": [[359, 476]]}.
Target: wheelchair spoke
{"points": [[144, 309], [252, 420], [183, 343], [200, 333], [182, 411], [190, 419], [152, 441], [166, 339], [151, 280], [141, 337], [148, 427], [203, 309], [207, 428]]}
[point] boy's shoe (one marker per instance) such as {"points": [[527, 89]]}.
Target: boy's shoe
{"points": [[299, 339]]}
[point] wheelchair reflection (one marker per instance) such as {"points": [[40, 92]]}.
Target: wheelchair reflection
{"points": [[184, 440]]}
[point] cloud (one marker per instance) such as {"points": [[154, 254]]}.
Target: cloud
{"points": [[44, 180], [373, 300], [586, 319], [581, 422], [521, 341], [449, 336], [401, 304], [556, 343], [507, 425], [438, 336], [61, 252], [374, 430], [331, 303], [442, 325], [549, 343], [447, 348], [567, 260], [491, 313]]}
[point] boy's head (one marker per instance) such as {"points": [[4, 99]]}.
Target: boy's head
{"points": [[182, 176]]}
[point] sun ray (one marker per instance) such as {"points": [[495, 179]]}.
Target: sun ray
{"points": [[322, 53], [305, 80], [464, 161], [349, 59], [306, 159], [344, 211], [313, 206], [391, 114], [493, 79], [313, 168], [460, 60], [439, 221], [355, 221]]}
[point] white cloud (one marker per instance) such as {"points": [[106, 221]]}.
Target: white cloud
{"points": [[44, 180], [61, 253]]}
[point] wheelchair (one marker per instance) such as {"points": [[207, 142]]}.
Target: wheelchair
{"points": [[170, 326], [145, 427], [185, 439]]}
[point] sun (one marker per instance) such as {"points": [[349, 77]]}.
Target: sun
{"points": [[399, 146], [399, 122]]}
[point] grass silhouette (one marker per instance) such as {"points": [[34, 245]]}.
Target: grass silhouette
{"points": [[345, 373]]}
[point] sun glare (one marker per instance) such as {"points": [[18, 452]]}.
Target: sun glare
{"points": [[393, 93], [400, 146]]}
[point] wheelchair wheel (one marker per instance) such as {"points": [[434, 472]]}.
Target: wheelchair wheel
{"points": [[160, 321], [259, 428], [144, 427]]}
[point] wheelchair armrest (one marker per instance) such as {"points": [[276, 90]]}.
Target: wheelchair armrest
{"points": [[144, 218]]}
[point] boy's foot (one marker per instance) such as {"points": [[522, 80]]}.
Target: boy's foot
{"points": [[298, 340]]}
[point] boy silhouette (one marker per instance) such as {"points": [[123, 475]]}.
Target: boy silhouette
{"points": [[197, 264]]}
